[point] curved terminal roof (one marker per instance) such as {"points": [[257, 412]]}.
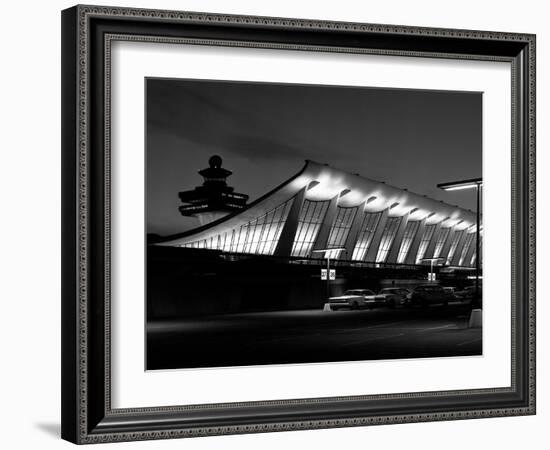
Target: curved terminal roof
{"points": [[324, 182]]}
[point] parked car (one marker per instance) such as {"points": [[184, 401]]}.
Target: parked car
{"points": [[468, 294], [396, 296], [430, 294], [356, 299], [450, 290]]}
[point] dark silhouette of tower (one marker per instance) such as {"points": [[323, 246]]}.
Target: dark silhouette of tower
{"points": [[214, 199]]}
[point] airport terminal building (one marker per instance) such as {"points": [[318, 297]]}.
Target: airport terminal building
{"points": [[326, 212]]}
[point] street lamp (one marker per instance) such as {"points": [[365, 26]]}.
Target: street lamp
{"points": [[474, 183], [327, 252], [432, 261]]}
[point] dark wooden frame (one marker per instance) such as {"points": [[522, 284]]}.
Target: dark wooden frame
{"points": [[87, 416]]}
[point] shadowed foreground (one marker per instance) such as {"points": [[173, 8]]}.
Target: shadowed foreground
{"points": [[309, 336]]}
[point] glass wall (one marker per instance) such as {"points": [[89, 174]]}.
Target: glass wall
{"points": [[388, 235], [340, 230], [469, 240], [424, 242], [474, 255], [408, 236], [441, 239], [311, 217], [259, 236], [456, 239], [370, 222]]}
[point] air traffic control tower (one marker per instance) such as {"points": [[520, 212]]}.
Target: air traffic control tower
{"points": [[214, 199]]}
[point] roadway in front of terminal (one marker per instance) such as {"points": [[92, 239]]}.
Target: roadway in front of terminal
{"points": [[311, 336]]}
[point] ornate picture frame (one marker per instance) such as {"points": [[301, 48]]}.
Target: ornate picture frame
{"points": [[87, 413]]}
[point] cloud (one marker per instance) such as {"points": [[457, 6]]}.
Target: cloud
{"points": [[196, 116]]}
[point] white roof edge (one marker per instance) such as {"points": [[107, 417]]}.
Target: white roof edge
{"points": [[331, 182]]}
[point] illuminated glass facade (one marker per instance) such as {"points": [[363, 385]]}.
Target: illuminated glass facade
{"points": [[261, 236], [452, 249], [370, 222], [340, 230], [408, 236], [424, 242], [474, 255], [440, 242], [312, 215], [469, 240], [324, 208], [258, 236], [388, 235]]}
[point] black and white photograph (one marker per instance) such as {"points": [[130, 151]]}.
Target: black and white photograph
{"points": [[295, 223], [275, 220]]}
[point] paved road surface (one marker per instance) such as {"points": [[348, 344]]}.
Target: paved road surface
{"points": [[311, 336]]}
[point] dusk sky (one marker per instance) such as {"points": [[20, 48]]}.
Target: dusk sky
{"points": [[412, 139]]}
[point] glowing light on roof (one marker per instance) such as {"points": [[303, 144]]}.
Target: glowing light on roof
{"points": [[328, 187], [353, 198], [312, 184]]}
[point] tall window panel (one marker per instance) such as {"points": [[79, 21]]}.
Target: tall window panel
{"points": [[408, 236], [226, 239], [424, 242], [196, 244], [474, 255], [370, 222], [264, 232], [469, 240], [311, 217], [454, 244], [239, 239], [441, 239], [388, 235], [340, 230]]}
